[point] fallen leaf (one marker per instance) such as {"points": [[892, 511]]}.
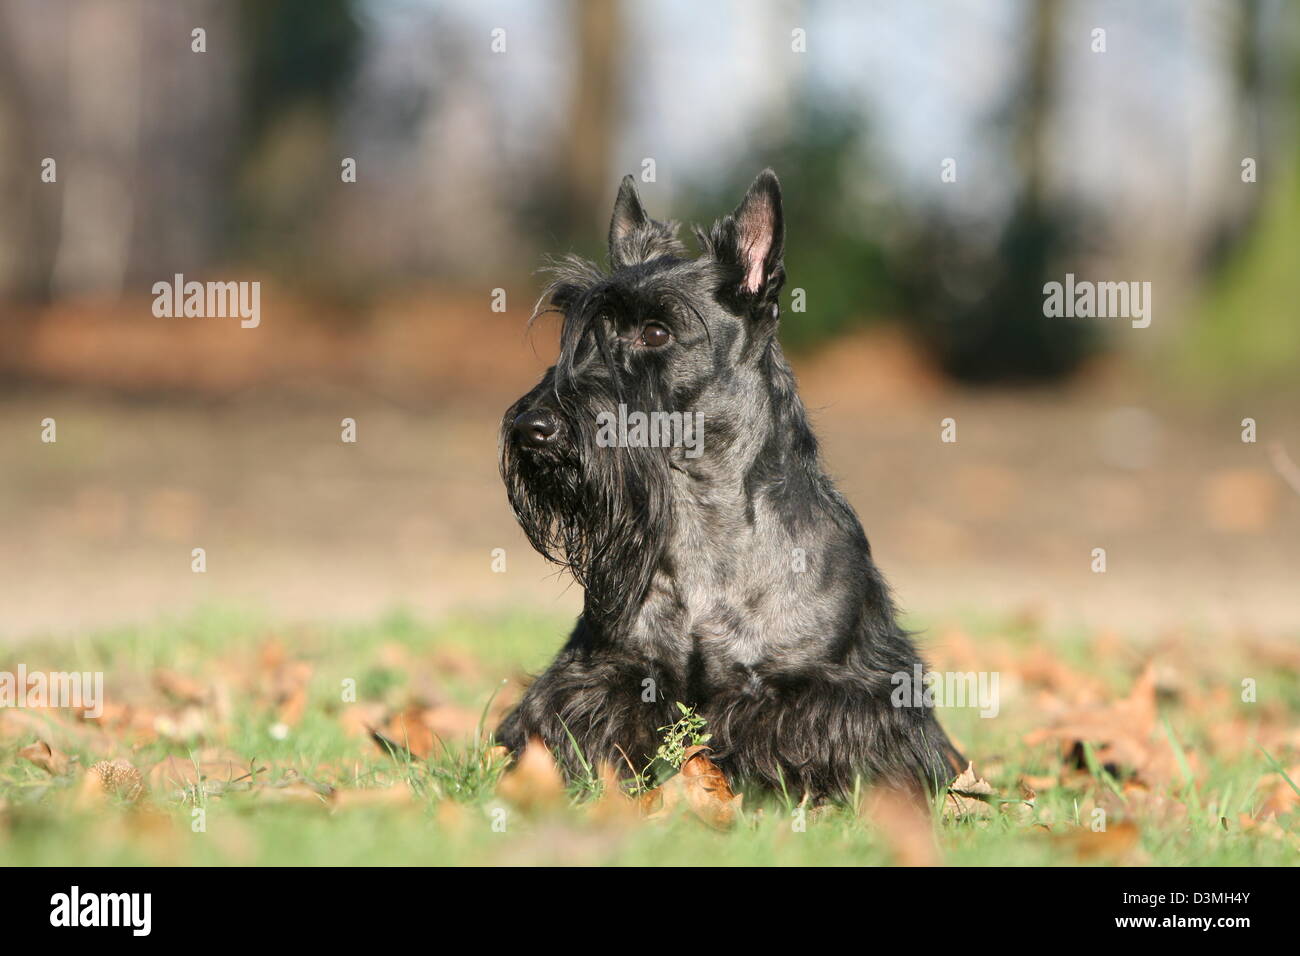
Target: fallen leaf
{"points": [[211, 773], [1137, 801], [970, 795], [52, 727], [1282, 797], [284, 682], [458, 662], [905, 825], [661, 800], [707, 791], [613, 805], [357, 720], [182, 689], [1122, 733], [1269, 828], [52, 761], [451, 723], [408, 735], [1114, 844], [292, 705], [423, 732], [534, 782]]}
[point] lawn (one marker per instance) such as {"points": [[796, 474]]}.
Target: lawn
{"points": [[226, 740]]}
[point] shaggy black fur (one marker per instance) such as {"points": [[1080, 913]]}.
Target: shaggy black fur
{"points": [[737, 581]]}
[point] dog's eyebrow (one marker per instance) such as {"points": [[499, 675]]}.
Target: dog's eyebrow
{"points": [[583, 321], [686, 305]]}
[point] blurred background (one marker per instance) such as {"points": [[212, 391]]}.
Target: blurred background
{"points": [[940, 163]]}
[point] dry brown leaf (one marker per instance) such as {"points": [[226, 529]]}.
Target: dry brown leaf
{"points": [[212, 771], [1115, 844], [1282, 798], [613, 805], [707, 792], [409, 732], [52, 761], [358, 720], [1269, 828], [272, 655], [971, 784], [700, 786], [292, 705], [662, 800], [904, 823], [1042, 667], [284, 682], [182, 689], [970, 795], [459, 663], [1034, 783], [423, 731], [125, 720], [1138, 802], [1122, 734], [451, 723], [534, 782], [53, 727]]}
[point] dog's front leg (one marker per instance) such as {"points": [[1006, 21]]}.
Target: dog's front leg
{"points": [[589, 709]]}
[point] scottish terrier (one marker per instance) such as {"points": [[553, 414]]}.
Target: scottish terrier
{"points": [[732, 576]]}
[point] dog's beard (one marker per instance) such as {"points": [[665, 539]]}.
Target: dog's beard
{"points": [[602, 512]]}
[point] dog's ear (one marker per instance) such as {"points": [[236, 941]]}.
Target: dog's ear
{"points": [[633, 236], [754, 238], [629, 218]]}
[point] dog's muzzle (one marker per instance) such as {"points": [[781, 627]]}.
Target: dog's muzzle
{"points": [[535, 429]]}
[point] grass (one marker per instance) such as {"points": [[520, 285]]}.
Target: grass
{"points": [[321, 792]]}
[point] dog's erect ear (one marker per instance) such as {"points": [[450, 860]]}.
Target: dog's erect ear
{"points": [[759, 235], [633, 236], [628, 219]]}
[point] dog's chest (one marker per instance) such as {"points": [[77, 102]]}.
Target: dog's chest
{"points": [[734, 594]]}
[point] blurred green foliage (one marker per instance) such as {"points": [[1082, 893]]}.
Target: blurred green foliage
{"points": [[300, 57], [297, 52], [1247, 327]]}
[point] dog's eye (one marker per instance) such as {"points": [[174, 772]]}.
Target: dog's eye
{"points": [[654, 335]]}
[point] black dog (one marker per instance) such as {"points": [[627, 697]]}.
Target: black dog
{"points": [[731, 575]]}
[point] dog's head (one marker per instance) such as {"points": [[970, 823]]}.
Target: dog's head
{"points": [[664, 365]]}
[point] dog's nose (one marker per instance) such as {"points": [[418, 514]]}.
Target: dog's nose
{"points": [[535, 429]]}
